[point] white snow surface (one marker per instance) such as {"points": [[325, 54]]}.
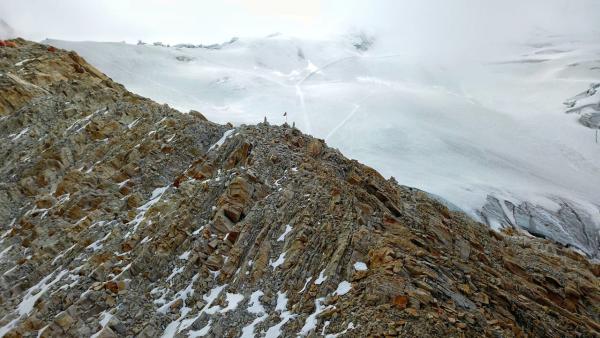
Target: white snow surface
{"points": [[281, 301], [343, 288], [185, 256], [21, 133], [254, 305], [275, 330], [222, 140], [202, 332], [3, 252], [182, 323], [38, 290], [248, 330], [321, 278], [287, 230], [311, 321], [360, 266], [460, 130], [280, 260], [305, 284], [233, 299], [335, 335], [30, 298], [105, 318], [139, 218]]}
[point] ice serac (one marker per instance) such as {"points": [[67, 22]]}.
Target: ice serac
{"points": [[121, 217], [587, 105], [569, 224]]}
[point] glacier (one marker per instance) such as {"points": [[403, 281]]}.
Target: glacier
{"points": [[487, 135]]}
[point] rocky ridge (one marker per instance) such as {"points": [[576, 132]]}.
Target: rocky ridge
{"points": [[122, 217]]}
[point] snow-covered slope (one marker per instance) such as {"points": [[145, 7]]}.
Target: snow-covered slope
{"points": [[484, 132]]}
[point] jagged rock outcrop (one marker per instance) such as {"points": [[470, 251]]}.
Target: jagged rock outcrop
{"points": [[122, 217]]}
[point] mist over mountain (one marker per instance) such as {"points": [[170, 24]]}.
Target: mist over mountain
{"points": [[6, 31]]}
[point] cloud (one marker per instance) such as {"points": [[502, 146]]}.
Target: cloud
{"points": [[427, 25], [161, 20], [6, 31], [464, 28]]}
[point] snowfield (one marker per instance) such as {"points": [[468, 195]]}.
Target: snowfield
{"points": [[488, 135]]}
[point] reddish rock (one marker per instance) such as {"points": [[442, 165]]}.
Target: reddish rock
{"points": [[401, 302], [112, 286], [314, 148], [176, 305], [232, 236]]}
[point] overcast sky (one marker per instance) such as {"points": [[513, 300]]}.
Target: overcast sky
{"points": [[204, 21]]}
